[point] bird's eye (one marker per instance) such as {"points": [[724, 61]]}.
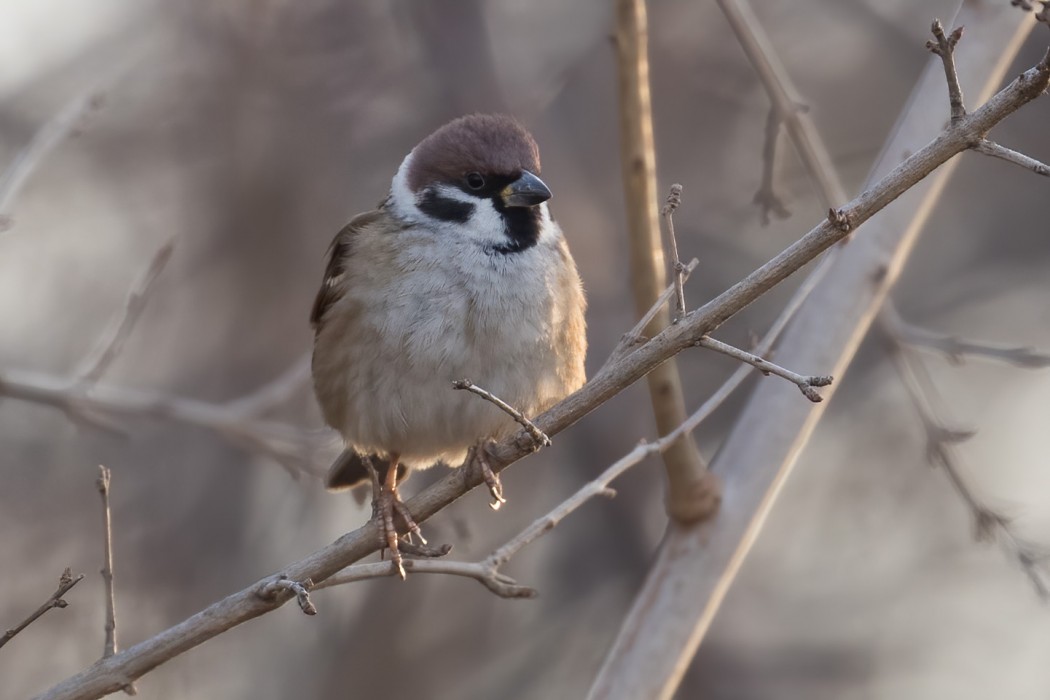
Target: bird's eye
{"points": [[475, 181]]}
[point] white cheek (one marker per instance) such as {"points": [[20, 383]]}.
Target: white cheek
{"points": [[485, 225], [402, 201]]}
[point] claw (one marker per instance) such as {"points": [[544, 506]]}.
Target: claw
{"points": [[491, 478]]}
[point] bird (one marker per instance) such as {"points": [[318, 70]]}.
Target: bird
{"points": [[460, 271]]}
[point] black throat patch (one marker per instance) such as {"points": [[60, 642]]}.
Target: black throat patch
{"points": [[521, 226]]}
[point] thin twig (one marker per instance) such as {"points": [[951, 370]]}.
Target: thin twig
{"points": [[110, 647], [804, 383], [102, 483], [785, 100], [634, 337], [538, 435], [674, 200], [43, 142], [109, 347], [500, 584], [956, 350], [298, 450], [944, 46], [941, 441], [766, 197], [65, 582], [991, 148]]}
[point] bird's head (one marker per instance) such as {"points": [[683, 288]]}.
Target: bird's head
{"points": [[476, 177]]}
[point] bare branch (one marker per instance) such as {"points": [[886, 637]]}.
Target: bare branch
{"points": [[944, 46], [103, 482], [43, 142], [297, 450], [634, 337], [785, 100], [65, 582], [957, 349], [110, 647], [804, 383], [941, 442], [538, 435], [111, 674], [990, 148], [500, 584], [110, 346], [766, 197], [674, 200], [684, 465]]}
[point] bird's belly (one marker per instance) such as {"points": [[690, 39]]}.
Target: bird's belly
{"points": [[399, 379]]}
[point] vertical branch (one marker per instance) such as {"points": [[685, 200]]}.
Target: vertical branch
{"points": [[685, 468], [110, 647], [107, 563]]}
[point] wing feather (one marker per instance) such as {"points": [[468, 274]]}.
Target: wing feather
{"points": [[339, 253]]}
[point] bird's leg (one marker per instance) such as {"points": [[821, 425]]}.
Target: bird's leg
{"points": [[385, 504], [480, 453]]}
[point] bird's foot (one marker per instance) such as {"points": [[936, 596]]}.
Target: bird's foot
{"points": [[387, 509], [481, 455], [386, 503]]}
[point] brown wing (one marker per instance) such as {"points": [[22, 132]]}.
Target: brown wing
{"points": [[338, 254]]}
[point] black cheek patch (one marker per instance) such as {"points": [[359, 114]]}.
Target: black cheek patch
{"points": [[444, 208]]}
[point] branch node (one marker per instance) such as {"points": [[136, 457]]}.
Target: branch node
{"points": [[284, 586], [944, 46], [840, 220]]}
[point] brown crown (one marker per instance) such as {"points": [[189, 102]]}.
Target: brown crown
{"points": [[491, 144]]}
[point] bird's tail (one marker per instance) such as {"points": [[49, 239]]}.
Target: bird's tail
{"points": [[349, 470]]}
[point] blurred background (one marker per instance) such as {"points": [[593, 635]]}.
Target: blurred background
{"points": [[252, 131]]}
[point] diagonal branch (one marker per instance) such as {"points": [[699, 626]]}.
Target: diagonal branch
{"points": [[43, 142], [65, 582], [110, 347], [804, 383], [990, 148]]}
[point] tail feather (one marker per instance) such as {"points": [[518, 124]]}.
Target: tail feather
{"points": [[349, 470]]}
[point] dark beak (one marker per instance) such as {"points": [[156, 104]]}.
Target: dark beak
{"points": [[527, 191]]}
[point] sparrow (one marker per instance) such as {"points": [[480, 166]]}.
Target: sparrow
{"points": [[459, 272]]}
